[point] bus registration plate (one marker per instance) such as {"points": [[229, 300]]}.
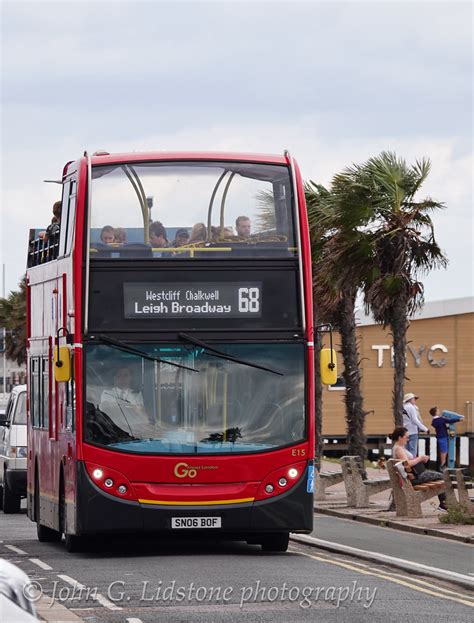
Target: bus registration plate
{"points": [[196, 522]]}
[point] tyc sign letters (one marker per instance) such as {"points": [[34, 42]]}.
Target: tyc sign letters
{"points": [[432, 354]]}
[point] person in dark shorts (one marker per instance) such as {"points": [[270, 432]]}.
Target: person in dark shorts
{"points": [[440, 424]]}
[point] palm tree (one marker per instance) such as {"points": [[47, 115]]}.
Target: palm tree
{"points": [[339, 265], [401, 234], [266, 220], [13, 319]]}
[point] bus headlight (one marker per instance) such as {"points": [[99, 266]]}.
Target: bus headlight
{"points": [[281, 480], [111, 481]]}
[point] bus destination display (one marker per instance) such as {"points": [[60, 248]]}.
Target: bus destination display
{"points": [[192, 300]]}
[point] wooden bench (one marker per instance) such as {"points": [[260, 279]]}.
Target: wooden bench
{"points": [[358, 487], [456, 480], [408, 497], [323, 481]]}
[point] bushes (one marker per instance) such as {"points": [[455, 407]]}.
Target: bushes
{"points": [[458, 514]]}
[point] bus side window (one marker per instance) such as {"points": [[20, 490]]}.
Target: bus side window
{"points": [[34, 392], [45, 392], [68, 211], [64, 214], [71, 218], [70, 405]]}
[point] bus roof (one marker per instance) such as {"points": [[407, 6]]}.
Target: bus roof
{"points": [[103, 157]]}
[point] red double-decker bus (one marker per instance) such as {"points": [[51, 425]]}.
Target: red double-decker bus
{"points": [[170, 350]]}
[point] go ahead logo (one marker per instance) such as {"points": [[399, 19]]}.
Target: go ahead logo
{"points": [[181, 470]]}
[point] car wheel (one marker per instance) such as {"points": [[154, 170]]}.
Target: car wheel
{"points": [[11, 500]]}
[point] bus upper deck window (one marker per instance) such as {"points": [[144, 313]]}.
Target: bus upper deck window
{"points": [[189, 210]]}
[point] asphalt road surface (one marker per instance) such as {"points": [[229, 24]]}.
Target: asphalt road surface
{"points": [[427, 550], [147, 580]]}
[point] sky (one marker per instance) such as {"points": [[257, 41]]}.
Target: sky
{"points": [[334, 82]]}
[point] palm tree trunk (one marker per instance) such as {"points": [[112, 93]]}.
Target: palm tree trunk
{"points": [[355, 414], [399, 325]]}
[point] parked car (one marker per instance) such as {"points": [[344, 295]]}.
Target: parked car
{"points": [[13, 452], [3, 407], [14, 588]]}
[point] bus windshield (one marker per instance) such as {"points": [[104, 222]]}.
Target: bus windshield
{"points": [[191, 210], [207, 405]]}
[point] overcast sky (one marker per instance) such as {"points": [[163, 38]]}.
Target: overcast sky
{"points": [[335, 83]]}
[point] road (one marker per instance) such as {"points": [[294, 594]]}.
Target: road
{"points": [[141, 580], [432, 551]]}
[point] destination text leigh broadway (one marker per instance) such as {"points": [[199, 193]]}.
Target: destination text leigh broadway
{"points": [[232, 300]]}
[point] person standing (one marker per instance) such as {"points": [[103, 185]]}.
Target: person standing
{"points": [[440, 424], [412, 422]]}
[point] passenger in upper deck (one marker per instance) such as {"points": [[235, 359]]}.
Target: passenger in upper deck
{"points": [[216, 234], [182, 237], [198, 233], [158, 236], [107, 234], [55, 225], [120, 235], [243, 226]]}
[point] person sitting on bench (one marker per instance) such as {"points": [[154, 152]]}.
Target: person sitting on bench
{"points": [[400, 438]]}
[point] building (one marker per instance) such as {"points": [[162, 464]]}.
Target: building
{"points": [[440, 369]]}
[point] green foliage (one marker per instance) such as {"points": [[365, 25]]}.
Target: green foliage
{"points": [[13, 318], [266, 211], [458, 514], [371, 233]]}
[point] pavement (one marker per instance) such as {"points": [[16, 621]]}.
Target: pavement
{"points": [[378, 515], [48, 609]]}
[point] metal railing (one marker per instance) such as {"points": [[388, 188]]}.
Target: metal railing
{"points": [[42, 250]]}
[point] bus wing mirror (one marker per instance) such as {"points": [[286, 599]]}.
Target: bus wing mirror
{"points": [[62, 364], [328, 366]]}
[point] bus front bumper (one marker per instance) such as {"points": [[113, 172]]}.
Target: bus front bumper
{"points": [[98, 512]]}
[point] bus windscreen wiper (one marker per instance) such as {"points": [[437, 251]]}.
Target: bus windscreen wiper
{"points": [[217, 353], [119, 345]]}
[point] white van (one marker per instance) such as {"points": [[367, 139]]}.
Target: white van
{"points": [[13, 451]]}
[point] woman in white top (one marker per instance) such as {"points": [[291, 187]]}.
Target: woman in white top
{"points": [[400, 438]]}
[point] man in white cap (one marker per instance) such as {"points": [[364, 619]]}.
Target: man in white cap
{"points": [[412, 422]]}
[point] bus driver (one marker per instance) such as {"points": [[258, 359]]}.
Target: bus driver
{"points": [[124, 405]]}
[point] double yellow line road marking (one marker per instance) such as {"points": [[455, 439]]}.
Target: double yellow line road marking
{"points": [[416, 584]]}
